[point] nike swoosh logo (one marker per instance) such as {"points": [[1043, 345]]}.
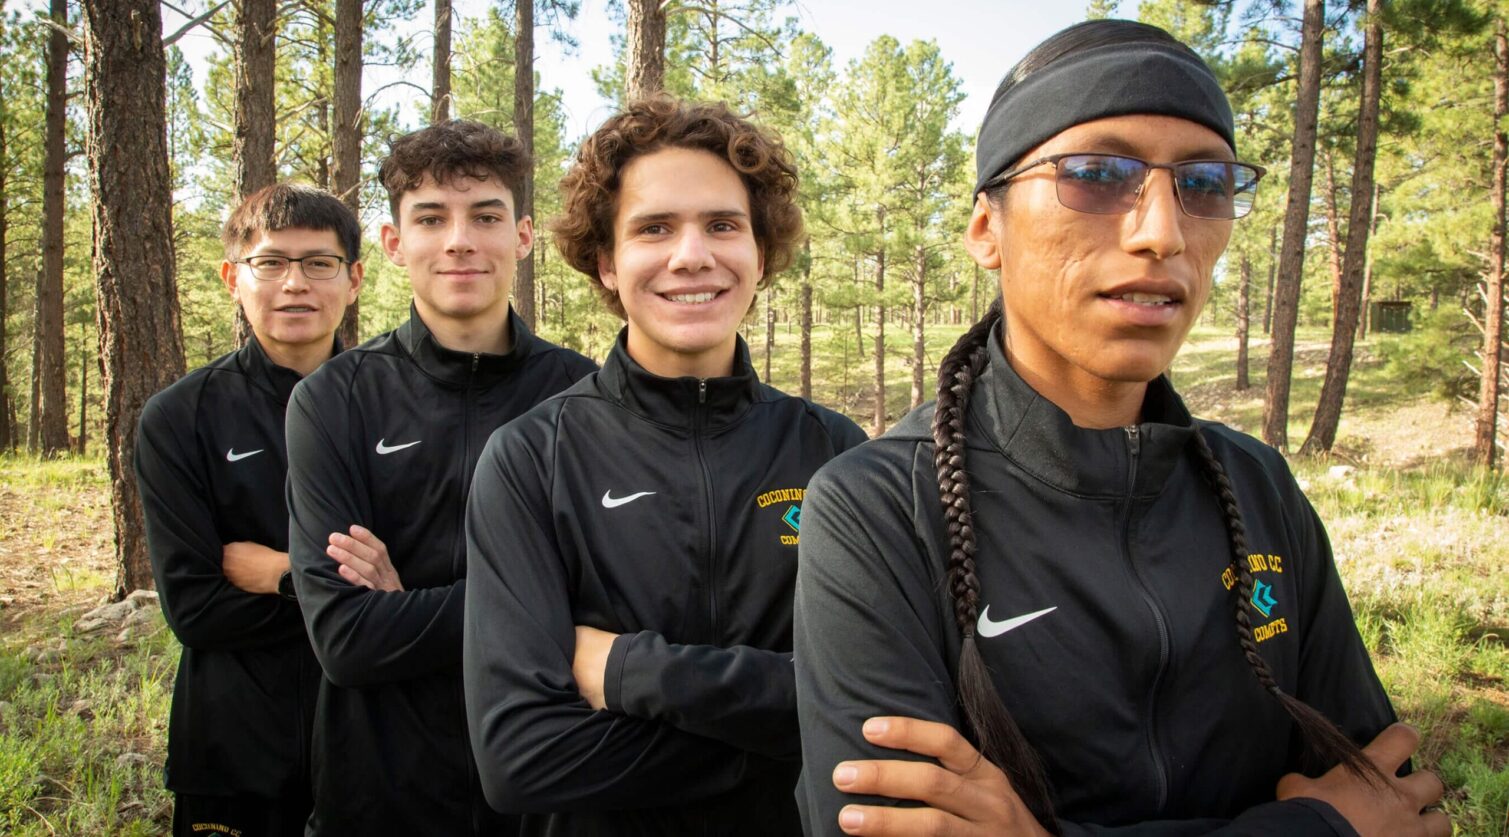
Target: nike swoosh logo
{"points": [[988, 629], [610, 502], [384, 449], [232, 456]]}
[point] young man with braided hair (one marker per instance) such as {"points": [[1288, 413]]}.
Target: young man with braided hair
{"points": [[381, 448], [632, 542], [1134, 615], [211, 465]]}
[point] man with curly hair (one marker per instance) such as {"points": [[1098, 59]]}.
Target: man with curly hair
{"points": [[381, 447], [631, 543]]}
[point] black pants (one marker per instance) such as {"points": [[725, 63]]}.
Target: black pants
{"points": [[240, 816]]}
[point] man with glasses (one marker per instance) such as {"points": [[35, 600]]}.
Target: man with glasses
{"points": [[210, 463], [381, 446]]}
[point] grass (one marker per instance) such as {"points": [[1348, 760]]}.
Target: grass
{"points": [[1421, 541]]}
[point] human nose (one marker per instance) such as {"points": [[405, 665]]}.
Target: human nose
{"points": [[294, 279], [690, 252], [1155, 224], [458, 239]]}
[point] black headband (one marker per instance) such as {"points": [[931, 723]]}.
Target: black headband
{"points": [[1109, 80]]}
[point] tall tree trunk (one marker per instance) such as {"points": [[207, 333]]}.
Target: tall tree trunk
{"points": [[1244, 295], [523, 122], [1349, 300], [140, 341], [806, 390], [1485, 447], [83, 402], [1367, 271], [252, 145], [346, 143], [1296, 216], [919, 336], [1272, 270], [440, 66], [51, 417], [878, 426], [7, 440], [1333, 235], [645, 35]]}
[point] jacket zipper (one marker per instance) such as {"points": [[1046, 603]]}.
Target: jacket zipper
{"points": [[473, 780], [1160, 770], [699, 417]]}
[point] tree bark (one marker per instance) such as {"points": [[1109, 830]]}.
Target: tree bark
{"points": [[645, 74], [7, 440], [83, 402], [51, 417], [806, 388], [1272, 270], [140, 341], [440, 84], [346, 142], [523, 121], [1296, 216], [877, 427], [252, 145], [1349, 298], [1333, 236], [1485, 439], [1367, 271], [919, 334], [1244, 294]]}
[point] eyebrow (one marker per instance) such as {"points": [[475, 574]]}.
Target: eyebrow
{"points": [[490, 203], [1114, 144], [708, 215]]}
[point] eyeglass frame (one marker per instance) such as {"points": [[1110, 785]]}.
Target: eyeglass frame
{"points": [[341, 261], [1006, 176]]}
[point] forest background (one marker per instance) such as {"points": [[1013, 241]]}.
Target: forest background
{"points": [[129, 127]]}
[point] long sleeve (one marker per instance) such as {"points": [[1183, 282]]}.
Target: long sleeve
{"points": [[741, 696], [539, 746], [204, 609], [361, 636], [871, 639]]}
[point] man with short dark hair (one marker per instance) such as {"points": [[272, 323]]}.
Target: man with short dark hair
{"points": [[210, 463], [381, 447]]}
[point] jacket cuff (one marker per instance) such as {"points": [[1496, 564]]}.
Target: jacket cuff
{"points": [[1330, 815], [613, 675]]}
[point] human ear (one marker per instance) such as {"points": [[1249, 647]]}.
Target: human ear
{"points": [[980, 235], [606, 273], [390, 243]]}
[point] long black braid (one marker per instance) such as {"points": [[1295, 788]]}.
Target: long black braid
{"points": [[995, 731]]}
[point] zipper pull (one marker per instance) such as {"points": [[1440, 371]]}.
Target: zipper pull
{"points": [[1134, 439], [702, 391], [476, 359]]}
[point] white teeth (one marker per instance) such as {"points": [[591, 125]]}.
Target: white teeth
{"points": [[1146, 299], [693, 299]]}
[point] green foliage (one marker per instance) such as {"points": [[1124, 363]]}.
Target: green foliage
{"points": [[1433, 357]]}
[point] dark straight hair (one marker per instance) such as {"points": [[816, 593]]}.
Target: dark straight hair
{"points": [[995, 732]]}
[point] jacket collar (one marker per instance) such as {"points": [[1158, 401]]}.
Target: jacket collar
{"points": [[678, 402], [463, 368], [1039, 437], [277, 380]]}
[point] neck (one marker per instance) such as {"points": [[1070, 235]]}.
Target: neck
{"points": [[658, 360], [488, 333], [301, 358], [1090, 402]]}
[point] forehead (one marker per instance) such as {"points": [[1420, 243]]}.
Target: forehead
{"points": [[1153, 138], [291, 241], [680, 181], [457, 193]]}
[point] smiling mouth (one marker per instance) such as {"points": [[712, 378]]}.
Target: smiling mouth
{"points": [[1151, 300], [692, 299], [296, 309]]}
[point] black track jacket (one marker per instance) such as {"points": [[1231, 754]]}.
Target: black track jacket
{"points": [[1133, 687], [387, 436], [667, 511], [210, 464]]}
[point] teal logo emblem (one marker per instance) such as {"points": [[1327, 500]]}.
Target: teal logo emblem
{"points": [[1262, 598], [793, 518]]}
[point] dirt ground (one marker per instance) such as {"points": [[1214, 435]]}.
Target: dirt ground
{"points": [[56, 545]]}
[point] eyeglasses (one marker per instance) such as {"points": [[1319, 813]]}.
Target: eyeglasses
{"points": [[1109, 184], [273, 268]]}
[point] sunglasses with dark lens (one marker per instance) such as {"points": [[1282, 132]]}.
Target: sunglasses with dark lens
{"points": [[1110, 184]]}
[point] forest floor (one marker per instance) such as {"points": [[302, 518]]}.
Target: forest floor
{"points": [[1421, 540]]}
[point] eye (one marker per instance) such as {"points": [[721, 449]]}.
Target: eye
{"points": [[1205, 179], [429, 220], [268, 262], [489, 219], [321, 262], [654, 229], [723, 226]]}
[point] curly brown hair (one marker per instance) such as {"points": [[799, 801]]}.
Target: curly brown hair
{"points": [[589, 191], [450, 150]]}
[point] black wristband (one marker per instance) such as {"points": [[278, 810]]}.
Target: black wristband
{"points": [[285, 586]]}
